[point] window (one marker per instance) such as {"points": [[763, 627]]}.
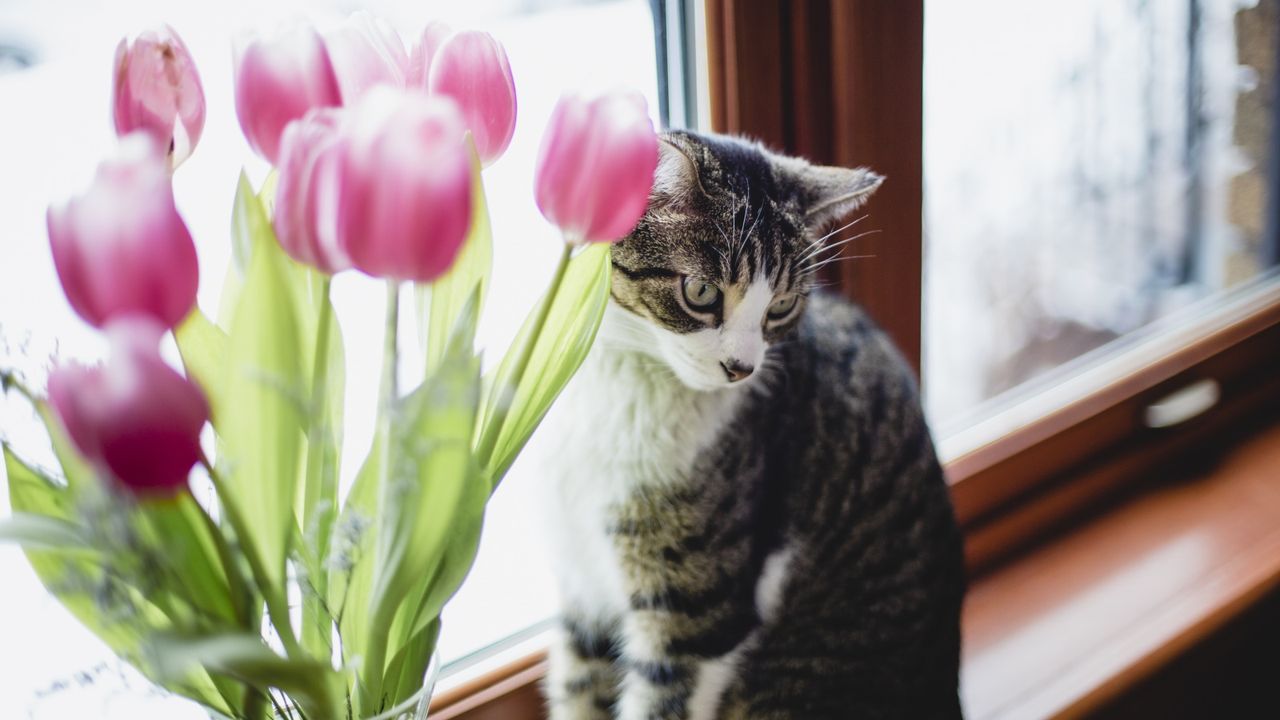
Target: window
{"points": [[1102, 168], [55, 86]]}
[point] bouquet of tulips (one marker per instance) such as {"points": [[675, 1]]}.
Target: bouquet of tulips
{"points": [[273, 596]]}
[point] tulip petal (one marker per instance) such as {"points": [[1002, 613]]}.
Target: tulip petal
{"points": [[433, 36], [136, 417], [120, 247], [366, 52], [471, 67], [405, 205], [596, 165], [157, 89], [308, 194], [279, 79]]}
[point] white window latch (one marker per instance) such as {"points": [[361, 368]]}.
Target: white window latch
{"points": [[1183, 404]]}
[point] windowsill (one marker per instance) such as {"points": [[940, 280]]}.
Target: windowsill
{"points": [[1081, 618], [1076, 621]]}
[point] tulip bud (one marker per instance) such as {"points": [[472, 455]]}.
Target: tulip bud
{"points": [[135, 417], [307, 196], [595, 167], [120, 247], [471, 67], [405, 196], [158, 90], [278, 80], [366, 52]]}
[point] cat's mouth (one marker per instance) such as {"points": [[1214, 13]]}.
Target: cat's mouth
{"points": [[711, 376]]}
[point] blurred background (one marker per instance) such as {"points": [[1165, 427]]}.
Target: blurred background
{"points": [[1091, 169]]}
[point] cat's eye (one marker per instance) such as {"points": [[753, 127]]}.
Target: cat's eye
{"points": [[782, 307], [700, 295]]}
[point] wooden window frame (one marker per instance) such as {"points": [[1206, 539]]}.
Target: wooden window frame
{"points": [[841, 82]]}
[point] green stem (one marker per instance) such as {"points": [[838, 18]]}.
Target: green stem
{"points": [[390, 353], [376, 652], [277, 603], [320, 489], [254, 703], [493, 430]]}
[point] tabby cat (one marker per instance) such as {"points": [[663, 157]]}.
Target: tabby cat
{"points": [[747, 515]]}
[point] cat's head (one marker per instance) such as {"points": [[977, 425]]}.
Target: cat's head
{"points": [[720, 266]]}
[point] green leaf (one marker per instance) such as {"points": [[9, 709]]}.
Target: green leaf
{"points": [[229, 297], [267, 194], [267, 387], [184, 534], [441, 303], [75, 469], [203, 347], [40, 532], [459, 557], [311, 682], [114, 610], [32, 492], [324, 408], [250, 224], [351, 557], [321, 355], [558, 352], [408, 667], [431, 470]]}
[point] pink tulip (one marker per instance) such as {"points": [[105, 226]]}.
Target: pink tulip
{"points": [[121, 248], [278, 80], [306, 198], [366, 52], [595, 168], [405, 200], [157, 90], [433, 36], [135, 417], [471, 67]]}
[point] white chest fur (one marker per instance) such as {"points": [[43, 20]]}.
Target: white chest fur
{"points": [[624, 421]]}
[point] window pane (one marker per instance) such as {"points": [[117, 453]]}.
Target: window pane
{"points": [[55, 126], [1090, 167]]}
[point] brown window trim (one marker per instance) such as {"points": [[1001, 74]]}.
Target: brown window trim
{"points": [[1025, 483], [840, 82], [1086, 617], [512, 692]]}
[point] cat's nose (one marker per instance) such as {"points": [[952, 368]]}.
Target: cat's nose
{"points": [[736, 370]]}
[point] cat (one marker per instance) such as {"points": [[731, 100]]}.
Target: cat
{"points": [[746, 512]]}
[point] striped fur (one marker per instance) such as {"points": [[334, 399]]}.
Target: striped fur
{"points": [[780, 547]]}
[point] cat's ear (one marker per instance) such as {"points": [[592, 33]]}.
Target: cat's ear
{"points": [[830, 193], [676, 177]]}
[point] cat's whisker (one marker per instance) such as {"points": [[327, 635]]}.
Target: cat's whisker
{"points": [[747, 236], [837, 231], [728, 243], [733, 227], [821, 285], [839, 243], [814, 268]]}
